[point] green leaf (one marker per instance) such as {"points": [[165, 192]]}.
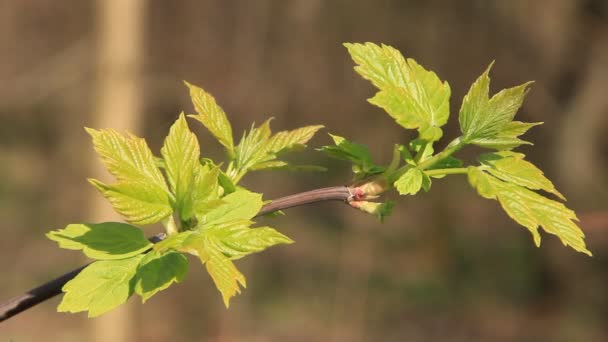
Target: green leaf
{"points": [[157, 272], [100, 287], [236, 239], [531, 210], [410, 182], [253, 146], [224, 180], [507, 138], [356, 153], [211, 116], [138, 201], [512, 168], [128, 157], [239, 205], [103, 241], [225, 275], [181, 153], [483, 119], [286, 140], [221, 269], [412, 95], [446, 163], [259, 149]]}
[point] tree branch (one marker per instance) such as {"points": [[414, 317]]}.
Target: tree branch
{"points": [[52, 288]]}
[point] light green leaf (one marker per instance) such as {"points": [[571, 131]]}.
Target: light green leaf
{"points": [[531, 210], [100, 287], [225, 275], [224, 181], [412, 95], [356, 153], [128, 157], [253, 147], [482, 118], [138, 201], [410, 182], [258, 149], [211, 116], [221, 269], [512, 168], [236, 239], [239, 205], [507, 138], [103, 241], [285, 140], [157, 272], [181, 153]]}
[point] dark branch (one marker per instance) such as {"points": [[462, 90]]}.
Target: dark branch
{"points": [[52, 288]]}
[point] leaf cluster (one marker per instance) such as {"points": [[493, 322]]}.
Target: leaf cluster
{"points": [[205, 212], [417, 98]]}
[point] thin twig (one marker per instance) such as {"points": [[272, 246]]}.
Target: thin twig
{"points": [[52, 288]]}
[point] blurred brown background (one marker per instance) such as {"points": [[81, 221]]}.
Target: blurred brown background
{"points": [[448, 266]]}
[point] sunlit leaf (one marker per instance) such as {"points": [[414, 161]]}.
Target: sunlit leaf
{"points": [[127, 157], [410, 182], [181, 153], [102, 241], [100, 287], [512, 168], [412, 95], [237, 239], [488, 121], [139, 202], [531, 210], [239, 205], [211, 116]]}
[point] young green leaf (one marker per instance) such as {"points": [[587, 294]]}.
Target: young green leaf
{"points": [[258, 149], [286, 140], [487, 121], [138, 201], [412, 95], [358, 154], [100, 287], [158, 271], [103, 241], [211, 116], [225, 275], [141, 194], [236, 239], [239, 205], [410, 182], [253, 147], [181, 153], [224, 181], [507, 138], [512, 168], [530, 209], [221, 269], [128, 157]]}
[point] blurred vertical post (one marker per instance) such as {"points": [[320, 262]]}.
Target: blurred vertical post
{"points": [[117, 104]]}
